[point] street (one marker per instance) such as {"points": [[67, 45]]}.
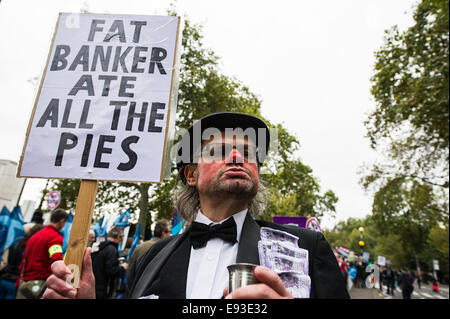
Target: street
{"points": [[425, 292]]}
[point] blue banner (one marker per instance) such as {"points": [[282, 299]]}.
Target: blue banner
{"points": [[4, 224], [100, 229], [66, 232], [15, 229], [122, 220]]}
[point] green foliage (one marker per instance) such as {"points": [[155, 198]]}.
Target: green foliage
{"points": [[410, 125], [411, 88], [69, 192], [439, 238], [410, 128], [294, 191], [390, 246]]}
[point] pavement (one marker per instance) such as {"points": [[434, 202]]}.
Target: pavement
{"points": [[365, 293], [425, 292]]}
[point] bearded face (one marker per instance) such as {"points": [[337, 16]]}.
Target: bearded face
{"points": [[233, 172]]}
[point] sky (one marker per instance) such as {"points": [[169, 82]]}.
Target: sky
{"points": [[309, 62]]}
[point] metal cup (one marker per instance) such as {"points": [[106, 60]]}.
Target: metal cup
{"points": [[241, 275]]}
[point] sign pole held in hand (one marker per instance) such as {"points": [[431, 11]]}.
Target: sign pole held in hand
{"points": [[80, 228]]}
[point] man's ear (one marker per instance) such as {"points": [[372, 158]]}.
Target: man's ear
{"points": [[190, 173]]}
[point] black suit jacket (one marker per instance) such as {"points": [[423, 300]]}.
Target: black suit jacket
{"points": [[162, 270]]}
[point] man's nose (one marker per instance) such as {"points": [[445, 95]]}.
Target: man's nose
{"points": [[235, 157]]}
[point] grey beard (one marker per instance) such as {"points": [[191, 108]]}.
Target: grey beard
{"points": [[244, 189]]}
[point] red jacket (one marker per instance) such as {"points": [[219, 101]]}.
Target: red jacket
{"points": [[42, 249]]}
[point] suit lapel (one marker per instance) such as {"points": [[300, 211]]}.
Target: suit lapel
{"points": [[150, 272], [248, 243], [170, 282]]}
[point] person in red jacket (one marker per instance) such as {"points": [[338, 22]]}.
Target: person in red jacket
{"points": [[42, 249]]}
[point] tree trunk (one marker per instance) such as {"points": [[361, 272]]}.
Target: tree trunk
{"points": [[144, 217]]}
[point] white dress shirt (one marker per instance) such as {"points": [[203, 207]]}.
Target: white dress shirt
{"points": [[207, 275]]}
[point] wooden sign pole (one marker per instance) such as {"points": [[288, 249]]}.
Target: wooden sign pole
{"points": [[80, 228]]}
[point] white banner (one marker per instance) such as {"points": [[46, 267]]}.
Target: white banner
{"points": [[381, 261], [102, 111]]}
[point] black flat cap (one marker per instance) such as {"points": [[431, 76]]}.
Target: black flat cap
{"points": [[221, 121]]}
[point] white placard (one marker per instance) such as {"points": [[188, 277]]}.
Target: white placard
{"points": [[102, 111], [435, 264], [381, 261]]}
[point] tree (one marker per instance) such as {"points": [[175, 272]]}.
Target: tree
{"points": [[411, 90], [410, 127]]}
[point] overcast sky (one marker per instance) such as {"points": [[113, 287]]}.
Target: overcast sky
{"points": [[310, 63]]}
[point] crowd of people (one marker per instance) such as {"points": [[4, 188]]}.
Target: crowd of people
{"points": [[220, 198], [355, 274], [27, 264]]}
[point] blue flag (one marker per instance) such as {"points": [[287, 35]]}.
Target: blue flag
{"points": [[98, 228], [352, 272], [135, 243], [122, 220], [66, 232], [15, 229], [177, 223], [4, 224]]}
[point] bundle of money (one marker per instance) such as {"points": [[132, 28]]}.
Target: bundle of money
{"points": [[271, 235], [279, 251], [298, 285], [281, 263], [296, 252]]}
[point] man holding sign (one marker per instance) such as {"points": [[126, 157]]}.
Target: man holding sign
{"points": [[219, 162], [105, 107]]}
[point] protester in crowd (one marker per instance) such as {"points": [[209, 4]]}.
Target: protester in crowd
{"points": [[382, 280], [353, 273], [221, 188], [435, 285], [389, 280], [10, 274], [105, 264], [418, 276], [398, 277], [41, 250], [37, 217], [91, 238], [162, 230], [124, 252], [343, 267], [407, 281], [361, 274]]}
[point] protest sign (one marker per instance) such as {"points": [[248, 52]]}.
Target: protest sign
{"points": [[104, 109], [381, 261], [105, 102]]}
